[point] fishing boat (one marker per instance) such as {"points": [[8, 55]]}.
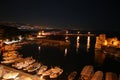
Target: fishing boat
{"points": [[55, 75], [55, 72], [12, 57], [72, 75], [33, 67], [46, 73], [11, 61], [18, 63], [10, 75], [87, 72], [98, 75], [111, 76], [42, 69], [10, 53], [28, 62], [22, 63]]}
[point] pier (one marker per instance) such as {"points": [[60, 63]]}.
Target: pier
{"points": [[78, 34], [48, 42], [64, 33]]}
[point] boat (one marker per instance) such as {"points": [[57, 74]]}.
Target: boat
{"points": [[98, 75], [55, 72], [18, 63], [22, 63], [42, 69], [1, 71], [87, 72], [33, 67], [10, 75], [28, 62], [9, 53], [12, 57], [55, 75], [72, 75], [11, 61], [111, 76], [46, 73], [23, 77]]}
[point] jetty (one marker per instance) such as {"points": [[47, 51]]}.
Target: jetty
{"points": [[49, 42]]}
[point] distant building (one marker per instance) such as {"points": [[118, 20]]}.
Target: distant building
{"points": [[101, 41], [109, 46]]}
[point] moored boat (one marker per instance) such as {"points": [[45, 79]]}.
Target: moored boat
{"points": [[12, 57], [111, 76], [9, 53], [72, 75], [47, 73], [87, 73], [10, 75], [22, 63], [11, 61], [98, 75], [55, 72], [42, 69], [28, 62], [33, 67]]}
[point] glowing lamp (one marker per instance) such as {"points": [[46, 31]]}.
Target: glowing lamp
{"points": [[105, 43]]}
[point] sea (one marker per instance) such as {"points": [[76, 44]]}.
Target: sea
{"points": [[73, 57]]}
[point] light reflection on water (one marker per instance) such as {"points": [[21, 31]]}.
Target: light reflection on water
{"points": [[88, 43], [65, 52], [77, 43]]}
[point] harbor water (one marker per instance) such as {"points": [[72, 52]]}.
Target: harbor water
{"points": [[72, 58]]}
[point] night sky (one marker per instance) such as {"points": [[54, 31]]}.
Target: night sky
{"points": [[82, 14]]}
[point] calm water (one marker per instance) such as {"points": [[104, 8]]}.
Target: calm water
{"points": [[74, 57]]}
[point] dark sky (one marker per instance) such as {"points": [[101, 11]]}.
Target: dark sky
{"points": [[82, 14]]}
